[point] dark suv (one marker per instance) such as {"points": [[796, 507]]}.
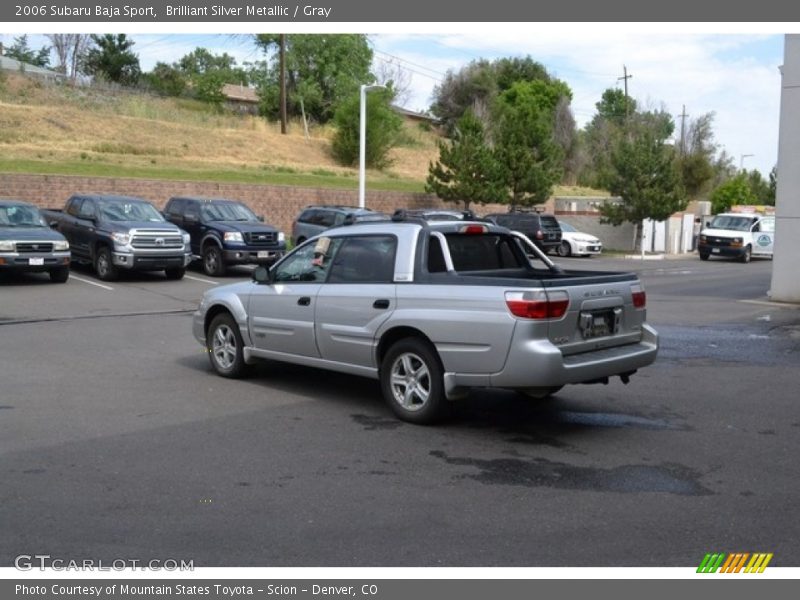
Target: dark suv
{"points": [[225, 232], [316, 219], [543, 230]]}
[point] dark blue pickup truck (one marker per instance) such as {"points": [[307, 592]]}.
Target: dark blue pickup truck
{"points": [[28, 244], [225, 232], [121, 232]]}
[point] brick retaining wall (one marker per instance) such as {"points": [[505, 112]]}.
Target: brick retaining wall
{"points": [[279, 204]]}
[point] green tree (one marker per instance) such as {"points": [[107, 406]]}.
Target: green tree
{"points": [[20, 51], [111, 58], [467, 170], [322, 71], [614, 106], [383, 129], [476, 86], [524, 144], [167, 80], [773, 186], [201, 62], [696, 156], [734, 191], [645, 176]]}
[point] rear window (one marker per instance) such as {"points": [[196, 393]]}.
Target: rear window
{"points": [[549, 223], [484, 252]]}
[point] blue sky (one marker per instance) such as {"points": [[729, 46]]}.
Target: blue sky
{"points": [[733, 75]]}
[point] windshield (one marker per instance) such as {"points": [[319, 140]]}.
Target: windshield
{"points": [[19, 215], [129, 211], [227, 211], [731, 223], [566, 227]]}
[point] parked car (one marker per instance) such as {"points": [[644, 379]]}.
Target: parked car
{"points": [[121, 232], [431, 310], [315, 219], [541, 229], [738, 235], [577, 243], [28, 244], [225, 233]]}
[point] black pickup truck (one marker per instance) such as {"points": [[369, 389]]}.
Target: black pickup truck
{"points": [[225, 232], [121, 232], [27, 244]]}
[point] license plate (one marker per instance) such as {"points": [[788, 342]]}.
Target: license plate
{"points": [[36, 262], [600, 324], [263, 254], [715, 250]]}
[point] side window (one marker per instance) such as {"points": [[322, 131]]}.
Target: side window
{"points": [[368, 259], [436, 262], [175, 207], [310, 263], [306, 216], [326, 218], [191, 209], [74, 206], [87, 210], [768, 225]]}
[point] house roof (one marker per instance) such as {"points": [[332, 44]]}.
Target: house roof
{"points": [[12, 64], [240, 93]]}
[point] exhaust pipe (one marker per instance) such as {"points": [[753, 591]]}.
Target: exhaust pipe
{"points": [[626, 377]]}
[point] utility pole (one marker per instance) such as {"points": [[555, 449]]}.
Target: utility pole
{"points": [[625, 78], [283, 81], [683, 116]]}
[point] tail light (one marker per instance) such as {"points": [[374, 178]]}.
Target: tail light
{"points": [[639, 296], [473, 229], [538, 304]]}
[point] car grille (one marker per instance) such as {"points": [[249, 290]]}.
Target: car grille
{"points": [[260, 238], [34, 246], [157, 240], [715, 241]]}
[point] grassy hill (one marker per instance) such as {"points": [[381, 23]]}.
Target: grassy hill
{"points": [[58, 129]]}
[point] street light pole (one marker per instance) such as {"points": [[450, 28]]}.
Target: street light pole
{"points": [[362, 143], [741, 160]]}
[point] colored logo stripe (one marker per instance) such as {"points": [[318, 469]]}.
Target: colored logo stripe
{"points": [[734, 563]]}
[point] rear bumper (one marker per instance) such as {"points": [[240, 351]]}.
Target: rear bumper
{"points": [[13, 261], [538, 363]]}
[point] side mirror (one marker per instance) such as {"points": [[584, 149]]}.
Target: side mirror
{"points": [[260, 218], [53, 224], [261, 275]]}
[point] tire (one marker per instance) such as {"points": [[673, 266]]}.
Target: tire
{"points": [[175, 274], [412, 382], [299, 241], [564, 249], [226, 347], [704, 255], [213, 263], [104, 265], [59, 275], [540, 393], [748, 254]]}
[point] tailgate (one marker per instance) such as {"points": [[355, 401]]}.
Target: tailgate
{"points": [[601, 313]]}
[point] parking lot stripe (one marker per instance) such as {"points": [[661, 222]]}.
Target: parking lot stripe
{"points": [[199, 279], [105, 287]]}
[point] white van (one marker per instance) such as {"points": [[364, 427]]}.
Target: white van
{"points": [[738, 235]]}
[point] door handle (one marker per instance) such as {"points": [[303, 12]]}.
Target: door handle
{"points": [[304, 301], [381, 303]]}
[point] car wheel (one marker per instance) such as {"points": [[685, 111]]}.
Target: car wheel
{"points": [[748, 253], [412, 382], [299, 241], [59, 275], [704, 255], [225, 346], [212, 261], [540, 393], [104, 265], [564, 249], [175, 274]]}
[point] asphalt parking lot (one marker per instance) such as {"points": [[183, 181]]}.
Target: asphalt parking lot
{"points": [[117, 441]]}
